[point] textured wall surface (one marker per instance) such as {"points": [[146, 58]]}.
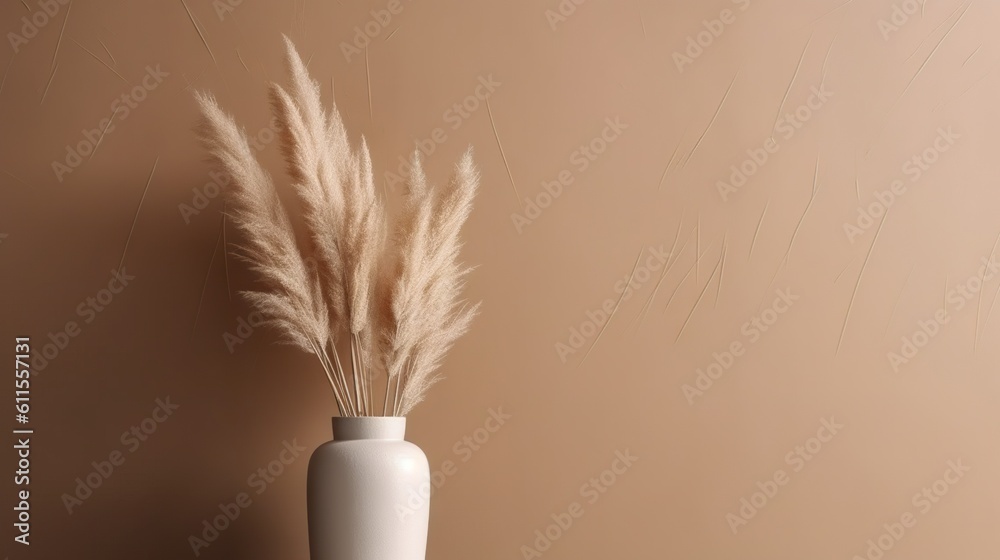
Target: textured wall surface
{"points": [[811, 373]]}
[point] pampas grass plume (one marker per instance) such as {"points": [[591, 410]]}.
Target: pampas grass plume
{"points": [[342, 291]]}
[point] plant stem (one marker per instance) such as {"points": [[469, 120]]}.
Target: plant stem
{"points": [[359, 368], [343, 377], [366, 378], [397, 399], [344, 394], [385, 402], [357, 375], [366, 371], [336, 393], [336, 366]]}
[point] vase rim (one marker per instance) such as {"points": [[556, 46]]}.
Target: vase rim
{"points": [[368, 427]]}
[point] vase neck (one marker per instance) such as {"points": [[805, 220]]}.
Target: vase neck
{"points": [[369, 427]]}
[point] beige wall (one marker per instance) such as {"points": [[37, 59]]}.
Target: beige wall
{"points": [[163, 335]]}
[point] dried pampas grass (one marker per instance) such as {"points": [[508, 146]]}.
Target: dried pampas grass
{"points": [[399, 309]]}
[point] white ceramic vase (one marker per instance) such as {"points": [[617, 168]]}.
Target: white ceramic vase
{"points": [[368, 495]]}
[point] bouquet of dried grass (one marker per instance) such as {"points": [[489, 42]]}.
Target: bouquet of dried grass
{"points": [[344, 291]]}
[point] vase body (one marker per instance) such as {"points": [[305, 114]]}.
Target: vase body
{"points": [[368, 493]]}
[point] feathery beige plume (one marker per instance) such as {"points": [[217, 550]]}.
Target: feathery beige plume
{"points": [[271, 248], [425, 313], [314, 302]]}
